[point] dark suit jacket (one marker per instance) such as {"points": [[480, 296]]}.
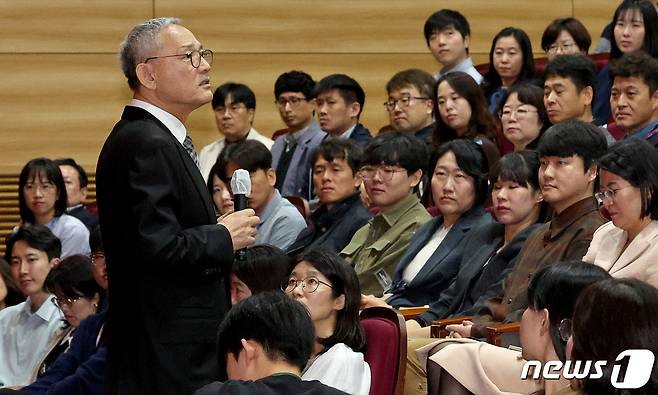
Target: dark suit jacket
{"points": [[87, 217], [475, 282], [165, 254], [361, 135], [442, 266]]}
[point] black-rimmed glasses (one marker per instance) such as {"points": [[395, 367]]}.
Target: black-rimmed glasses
{"points": [[194, 56], [404, 101], [309, 284]]}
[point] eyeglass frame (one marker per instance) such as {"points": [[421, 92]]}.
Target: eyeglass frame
{"points": [[188, 55], [563, 47], [385, 174], [67, 301], [95, 256], [44, 187], [608, 194], [293, 101], [404, 102], [517, 112], [286, 282], [233, 108]]}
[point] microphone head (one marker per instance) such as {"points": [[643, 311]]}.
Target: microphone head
{"points": [[241, 182]]}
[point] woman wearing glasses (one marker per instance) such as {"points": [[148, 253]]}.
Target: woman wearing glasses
{"points": [[42, 200], [565, 36], [628, 245], [523, 115], [329, 289]]}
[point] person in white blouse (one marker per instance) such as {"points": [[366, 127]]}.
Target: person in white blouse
{"points": [[27, 328], [329, 288], [628, 245]]}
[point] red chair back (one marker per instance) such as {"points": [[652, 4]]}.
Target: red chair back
{"points": [[386, 349], [301, 205]]}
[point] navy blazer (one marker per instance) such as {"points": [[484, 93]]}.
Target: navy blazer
{"points": [[441, 267], [361, 135], [475, 282]]}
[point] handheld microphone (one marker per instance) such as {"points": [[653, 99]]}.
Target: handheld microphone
{"points": [[241, 188]]}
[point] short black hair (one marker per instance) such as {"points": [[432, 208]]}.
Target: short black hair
{"points": [[472, 160], [96, 240], [638, 65], [573, 26], [443, 19], [294, 81], [250, 155], [397, 149], [38, 237], [492, 79], [579, 69], [73, 277], [650, 19], [347, 87], [31, 170], [345, 149], [344, 281], [636, 161], [82, 174], [556, 288], [521, 167], [416, 78], [281, 325], [573, 137], [239, 93], [263, 268]]}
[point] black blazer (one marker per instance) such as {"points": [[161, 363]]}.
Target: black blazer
{"points": [[441, 267], [166, 259], [361, 135], [473, 281]]}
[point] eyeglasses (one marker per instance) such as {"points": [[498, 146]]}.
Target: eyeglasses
{"points": [[608, 195], [520, 112], [294, 102], [309, 284], [95, 256], [45, 187], [404, 101], [232, 109], [564, 47], [565, 329], [385, 172], [194, 57], [61, 302]]}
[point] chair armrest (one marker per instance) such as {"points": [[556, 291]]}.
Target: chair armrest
{"points": [[438, 328], [411, 312], [494, 332]]}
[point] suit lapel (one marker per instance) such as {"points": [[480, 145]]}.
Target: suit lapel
{"points": [[637, 247]]}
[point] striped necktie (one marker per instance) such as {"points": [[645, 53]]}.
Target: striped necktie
{"points": [[189, 147]]}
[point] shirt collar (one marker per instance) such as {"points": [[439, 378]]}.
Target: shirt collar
{"points": [[400, 209], [644, 132], [77, 206], [348, 132], [172, 123], [46, 310], [571, 214], [463, 66]]}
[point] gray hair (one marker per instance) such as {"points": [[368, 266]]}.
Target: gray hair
{"points": [[139, 43]]}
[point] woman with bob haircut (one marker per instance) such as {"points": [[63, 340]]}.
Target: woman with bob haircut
{"points": [[545, 329], [610, 317], [627, 246], [461, 112], [565, 36], [635, 28], [221, 197], [329, 288], [523, 115], [510, 61], [42, 201]]}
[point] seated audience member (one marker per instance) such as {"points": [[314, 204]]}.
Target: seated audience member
{"points": [[75, 180], [9, 292], [491, 249], [264, 343], [293, 93], [262, 269], [603, 306], [78, 296], [340, 100], [27, 328], [336, 165], [459, 187], [634, 96], [545, 328], [565, 36], [394, 164], [635, 29], [627, 246], [409, 103], [329, 289], [280, 221], [98, 264], [523, 115], [510, 61], [567, 175], [461, 111], [234, 106], [42, 200], [448, 36], [221, 196], [569, 87]]}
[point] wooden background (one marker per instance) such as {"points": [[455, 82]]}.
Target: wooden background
{"points": [[62, 89]]}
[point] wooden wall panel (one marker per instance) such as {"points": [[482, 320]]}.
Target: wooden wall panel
{"points": [[595, 14]]}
